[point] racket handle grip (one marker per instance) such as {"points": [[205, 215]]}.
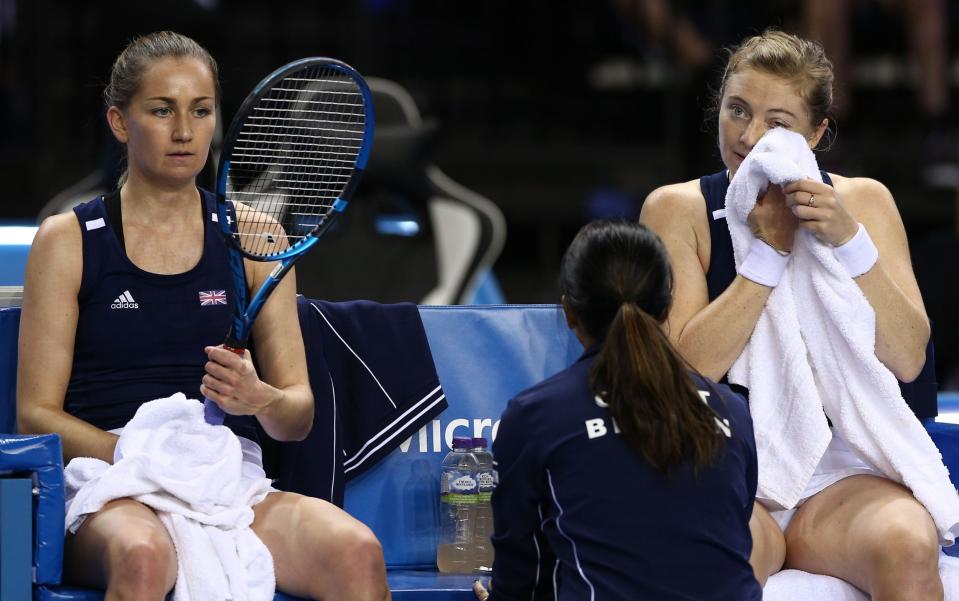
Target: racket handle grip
{"points": [[212, 413]]}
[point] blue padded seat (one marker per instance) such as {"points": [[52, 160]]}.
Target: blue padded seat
{"points": [[429, 585], [484, 355], [41, 458], [65, 593], [406, 585]]}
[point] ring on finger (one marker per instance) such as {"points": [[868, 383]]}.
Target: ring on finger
{"points": [[812, 200]]}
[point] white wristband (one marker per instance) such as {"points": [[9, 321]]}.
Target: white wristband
{"points": [[763, 265], [857, 255]]}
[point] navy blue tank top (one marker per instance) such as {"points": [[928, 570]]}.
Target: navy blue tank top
{"points": [[921, 395], [140, 335]]}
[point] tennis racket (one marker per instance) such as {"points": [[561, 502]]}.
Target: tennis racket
{"points": [[291, 160]]}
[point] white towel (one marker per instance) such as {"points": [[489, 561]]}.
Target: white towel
{"points": [[191, 473], [799, 362], [796, 585]]}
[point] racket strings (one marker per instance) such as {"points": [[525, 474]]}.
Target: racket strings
{"points": [[294, 156]]}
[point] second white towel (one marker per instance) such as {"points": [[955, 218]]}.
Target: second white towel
{"points": [[192, 474], [813, 349]]}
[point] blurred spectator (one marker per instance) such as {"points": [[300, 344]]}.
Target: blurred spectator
{"points": [[925, 23], [667, 27], [676, 47]]}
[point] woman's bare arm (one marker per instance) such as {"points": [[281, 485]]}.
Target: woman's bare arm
{"points": [[710, 336], [48, 324], [902, 326], [282, 360], [281, 399]]}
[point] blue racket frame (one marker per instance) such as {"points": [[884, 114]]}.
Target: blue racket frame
{"points": [[245, 312]]}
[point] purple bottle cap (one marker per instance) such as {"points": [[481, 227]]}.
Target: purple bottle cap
{"points": [[462, 442], [480, 442]]}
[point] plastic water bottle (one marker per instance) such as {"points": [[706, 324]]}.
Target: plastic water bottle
{"points": [[483, 512], [454, 552]]}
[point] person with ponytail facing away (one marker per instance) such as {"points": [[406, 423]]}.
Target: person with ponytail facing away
{"points": [[627, 475]]}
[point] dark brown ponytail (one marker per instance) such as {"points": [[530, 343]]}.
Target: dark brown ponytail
{"points": [[617, 280]]}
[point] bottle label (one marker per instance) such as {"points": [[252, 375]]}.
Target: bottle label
{"points": [[463, 484], [458, 487], [487, 481], [458, 499]]}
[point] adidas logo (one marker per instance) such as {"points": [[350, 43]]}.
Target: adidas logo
{"points": [[125, 301]]}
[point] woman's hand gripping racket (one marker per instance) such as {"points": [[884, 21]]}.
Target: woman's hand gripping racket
{"points": [[291, 160]]}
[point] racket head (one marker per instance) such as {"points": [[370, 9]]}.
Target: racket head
{"points": [[293, 156]]}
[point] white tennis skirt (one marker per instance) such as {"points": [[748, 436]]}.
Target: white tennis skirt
{"points": [[838, 462]]}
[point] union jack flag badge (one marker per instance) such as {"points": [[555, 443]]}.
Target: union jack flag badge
{"points": [[212, 297]]}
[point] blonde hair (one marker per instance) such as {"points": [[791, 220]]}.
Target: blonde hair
{"points": [[792, 58]]}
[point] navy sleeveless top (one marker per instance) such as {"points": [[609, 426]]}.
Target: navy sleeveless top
{"points": [[921, 395], [140, 335]]}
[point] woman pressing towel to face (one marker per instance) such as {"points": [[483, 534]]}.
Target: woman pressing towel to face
{"points": [[625, 476], [111, 319], [852, 523]]}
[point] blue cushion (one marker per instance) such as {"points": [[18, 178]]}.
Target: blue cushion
{"points": [[9, 332], [425, 585], [406, 585], [946, 438], [41, 457], [66, 593], [484, 355]]}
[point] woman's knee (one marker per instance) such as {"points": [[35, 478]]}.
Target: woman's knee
{"points": [[363, 549], [320, 551], [362, 567], [910, 536], [905, 552], [142, 563]]}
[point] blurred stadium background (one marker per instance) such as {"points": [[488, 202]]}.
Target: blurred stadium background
{"points": [[558, 112]]}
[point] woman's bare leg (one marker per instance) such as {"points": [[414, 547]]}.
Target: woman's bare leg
{"points": [[320, 551], [126, 550], [870, 532], [769, 544]]}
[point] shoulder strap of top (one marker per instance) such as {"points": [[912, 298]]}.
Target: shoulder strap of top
{"points": [[208, 199], [91, 214], [714, 190], [111, 202], [97, 247], [722, 267]]}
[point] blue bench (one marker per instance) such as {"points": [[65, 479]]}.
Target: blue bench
{"points": [[484, 355]]}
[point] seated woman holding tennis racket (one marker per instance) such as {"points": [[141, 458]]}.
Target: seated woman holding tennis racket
{"points": [[634, 473], [121, 301]]}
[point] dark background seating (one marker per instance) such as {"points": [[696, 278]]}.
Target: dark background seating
{"points": [[557, 113]]}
